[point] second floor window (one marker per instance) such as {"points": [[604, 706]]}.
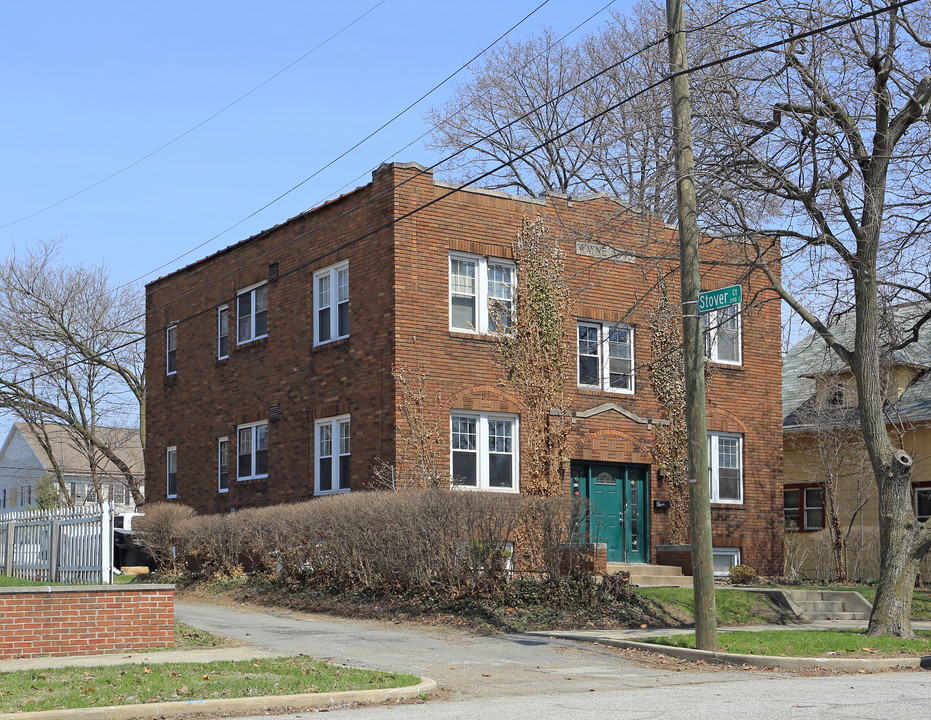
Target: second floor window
{"points": [[722, 335], [331, 303], [223, 332], [481, 294], [171, 356], [606, 357], [252, 314]]}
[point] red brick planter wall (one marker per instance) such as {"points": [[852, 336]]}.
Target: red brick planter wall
{"points": [[85, 619]]}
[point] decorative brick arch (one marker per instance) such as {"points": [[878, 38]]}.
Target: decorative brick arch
{"points": [[484, 398], [721, 420], [605, 444]]}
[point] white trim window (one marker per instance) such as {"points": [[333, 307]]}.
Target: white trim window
{"points": [[483, 451], [252, 451], [171, 472], [331, 303], [723, 560], [252, 313], [223, 332], [171, 350], [332, 454], [223, 464], [725, 457], [721, 330], [606, 357], [481, 293]]}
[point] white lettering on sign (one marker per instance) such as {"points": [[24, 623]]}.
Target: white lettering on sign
{"points": [[603, 252]]}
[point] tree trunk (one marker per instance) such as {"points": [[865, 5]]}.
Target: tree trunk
{"points": [[898, 560]]}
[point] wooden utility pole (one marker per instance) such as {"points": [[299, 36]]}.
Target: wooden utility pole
{"points": [[706, 635]]}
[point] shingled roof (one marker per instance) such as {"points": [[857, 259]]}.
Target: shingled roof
{"points": [[810, 358], [73, 461]]}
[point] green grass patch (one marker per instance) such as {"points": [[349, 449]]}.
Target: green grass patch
{"points": [[810, 643], [734, 607], [7, 581], [80, 687]]}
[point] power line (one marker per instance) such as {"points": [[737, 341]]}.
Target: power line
{"points": [[462, 186], [198, 125], [346, 152]]}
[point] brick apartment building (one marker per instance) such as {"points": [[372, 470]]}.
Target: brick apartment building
{"points": [[270, 362]]}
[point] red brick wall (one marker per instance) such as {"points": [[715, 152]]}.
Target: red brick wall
{"points": [[399, 313], [85, 620]]}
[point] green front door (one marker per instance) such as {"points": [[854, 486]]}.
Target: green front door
{"points": [[618, 513]]}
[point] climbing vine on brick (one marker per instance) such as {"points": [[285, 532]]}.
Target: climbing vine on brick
{"points": [[667, 378], [535, 355]]}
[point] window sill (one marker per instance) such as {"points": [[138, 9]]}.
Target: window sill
{"points": [[470, 488], [253, 480], [322, 493], [475, 336], [588, 390], [330, 343], [718, 365], [249, 344]]}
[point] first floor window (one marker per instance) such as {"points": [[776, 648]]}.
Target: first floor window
{"points": [[331, 303], [606, 357], [331, 439], [25, 495], [223, 466], [172, 472], [722, 335], [171, 344], [483, 451], [252, 451], [725, 454], [118, 493], [803, 508], [923, 502], [252, 314], [481, 294], [2, 497]]}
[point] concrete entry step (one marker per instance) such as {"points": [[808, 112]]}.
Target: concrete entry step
{"points": [[826, 604], [644, 575]]}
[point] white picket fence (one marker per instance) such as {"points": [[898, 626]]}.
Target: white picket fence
{"points": [[69, 545]]}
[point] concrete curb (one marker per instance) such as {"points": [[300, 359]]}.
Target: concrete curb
{"points": [[762, 661], [230, 705]]}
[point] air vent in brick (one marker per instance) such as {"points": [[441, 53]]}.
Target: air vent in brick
{"points": [[274, 412], [272, 272]]}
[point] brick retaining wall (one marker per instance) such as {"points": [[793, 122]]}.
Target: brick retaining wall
{"points": [[85, 619]]}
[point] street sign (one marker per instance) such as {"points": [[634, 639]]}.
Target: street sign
{"points": [[714, 299]]}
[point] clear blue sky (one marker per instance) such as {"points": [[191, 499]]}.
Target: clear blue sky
{"points": [[90, 87]]}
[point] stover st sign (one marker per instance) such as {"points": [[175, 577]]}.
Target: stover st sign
{"points": [[714, 299]]}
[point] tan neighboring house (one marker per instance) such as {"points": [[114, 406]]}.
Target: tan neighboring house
{"points": [[24, 462], [821, 446]]}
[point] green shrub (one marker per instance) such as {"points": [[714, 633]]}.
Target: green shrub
{"points": [[742, 575]]}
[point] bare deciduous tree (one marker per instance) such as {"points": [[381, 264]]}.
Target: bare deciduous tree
{"points": [[71, 354], [831, 132]]}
